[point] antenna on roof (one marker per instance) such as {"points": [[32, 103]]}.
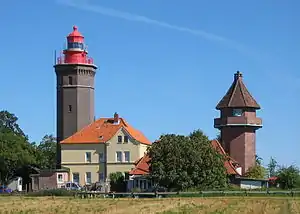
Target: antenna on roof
{"points": [[54, 57]]}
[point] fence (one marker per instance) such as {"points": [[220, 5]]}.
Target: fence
{"points": [[94, 194]]}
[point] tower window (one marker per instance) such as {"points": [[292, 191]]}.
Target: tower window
{"points": [[70, 80], [237, 112], [70, 108]]}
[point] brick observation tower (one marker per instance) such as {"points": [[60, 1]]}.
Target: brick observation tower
{"points": [[75, 73], [238, 123]]}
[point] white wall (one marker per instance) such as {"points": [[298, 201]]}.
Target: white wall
{"points": [[246, 184]]}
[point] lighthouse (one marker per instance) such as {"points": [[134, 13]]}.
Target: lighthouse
{"points": [[75, 73]]}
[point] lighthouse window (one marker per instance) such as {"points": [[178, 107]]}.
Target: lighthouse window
{"points": [[75, 45], [70, 80], [70, 108], [237, 112]]}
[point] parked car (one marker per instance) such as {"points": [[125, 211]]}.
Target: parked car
{"points": [[72, 186], [15, 184], [5, 189]]}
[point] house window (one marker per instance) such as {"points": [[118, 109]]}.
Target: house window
{"points": [[70, 108], [60, 178], [101, 157], [118, 156], [125, 139], [75, 177], [127, 156], [88, 177], [88, 157], [101, 176], [70, 80], [237, 112], [119, 139]]}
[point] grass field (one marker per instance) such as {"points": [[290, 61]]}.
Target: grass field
{"points": [[167, 206]]}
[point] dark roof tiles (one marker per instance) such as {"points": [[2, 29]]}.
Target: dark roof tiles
{"points": [[237, 95]]}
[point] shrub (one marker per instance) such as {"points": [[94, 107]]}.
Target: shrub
{"points": [[136, 190], [52, 192]]}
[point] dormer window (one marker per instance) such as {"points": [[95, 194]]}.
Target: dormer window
{"points": [[237, 112], [119, 139]]}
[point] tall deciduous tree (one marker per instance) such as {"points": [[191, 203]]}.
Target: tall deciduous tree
{"points": [[15, 150], [183, 162], [46, 153], [272, 166], [8, 123]]}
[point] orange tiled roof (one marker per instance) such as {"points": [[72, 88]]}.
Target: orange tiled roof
{"points": [[142, 165], [103, 130]]}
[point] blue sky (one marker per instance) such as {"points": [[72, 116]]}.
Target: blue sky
{"points": [[164, 65]]}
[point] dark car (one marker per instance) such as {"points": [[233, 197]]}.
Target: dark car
{"points": [[4, 189]]}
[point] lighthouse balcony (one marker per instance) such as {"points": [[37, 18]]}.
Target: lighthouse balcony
{"points": [[238, 121], [79, 60]]}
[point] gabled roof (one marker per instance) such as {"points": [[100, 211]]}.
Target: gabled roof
{"points": [[103, 130], [231, 170], [237, 95], [142, 165]]}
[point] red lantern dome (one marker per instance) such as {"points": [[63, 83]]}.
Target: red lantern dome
{"points": [[76, 51]]}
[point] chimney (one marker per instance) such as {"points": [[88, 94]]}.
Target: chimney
{"points": [[238, 75], [116, 118]]}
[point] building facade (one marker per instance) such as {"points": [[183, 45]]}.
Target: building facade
{"points": [[106, 146]]}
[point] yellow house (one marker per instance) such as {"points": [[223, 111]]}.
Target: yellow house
{"points": [[108, 145]]}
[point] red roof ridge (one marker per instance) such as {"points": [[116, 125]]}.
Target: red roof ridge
{"points": [[102, 130]]}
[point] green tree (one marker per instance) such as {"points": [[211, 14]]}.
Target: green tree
{"points": [[272, 166], [46, 153], [258, 160], [15, 150], [257, 172], [288, 177], [182, 162], [8, 123], [117, 182]]}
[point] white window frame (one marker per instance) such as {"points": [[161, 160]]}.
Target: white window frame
{"points": [[62, 178], [237, 112], [86, 159], [127, 152], [119, 152], [86, 177]]}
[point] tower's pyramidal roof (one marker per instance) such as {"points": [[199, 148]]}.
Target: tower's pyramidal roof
{"points": [[237, 95]]}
